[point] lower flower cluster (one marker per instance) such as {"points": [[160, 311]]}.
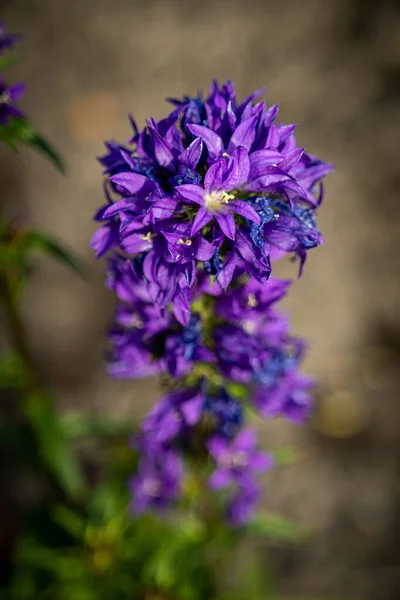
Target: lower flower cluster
{"points": [[235, 353]]}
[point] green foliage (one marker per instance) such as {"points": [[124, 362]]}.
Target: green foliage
{"points": [[19, 131], [54, 449], [78, 425], [276, 527], [7, 59], [12, 371], [35, 240]]}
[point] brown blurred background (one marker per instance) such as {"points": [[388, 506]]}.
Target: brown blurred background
{"points": [[334, 68]]}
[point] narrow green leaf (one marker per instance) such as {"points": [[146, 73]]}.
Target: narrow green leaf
{"points": [[19, 129], [278, 527], [285, 456], [69, 520], [42, 145], [12, 371], [77, 425], [53, 446], [35, 240], [7, 59]]}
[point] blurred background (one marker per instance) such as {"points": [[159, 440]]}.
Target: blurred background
{"points": [[334, 68]]}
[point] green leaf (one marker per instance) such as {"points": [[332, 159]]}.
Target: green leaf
{"points": [[69, 520], [43, 146], [12, 371], [19, 129], [285, 456], [277, 527], [77, 425], [53, 445], [7, 59], [35, 240]]}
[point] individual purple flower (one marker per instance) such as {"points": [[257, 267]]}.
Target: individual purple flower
{"points": [[9, 96], [253, 298], [238, 460], [7, 40], [215, 199], [289, 396], [130, 357], [172, 416], [243, 504], [157, 483]]}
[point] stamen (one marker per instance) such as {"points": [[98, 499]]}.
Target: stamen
{"points": [[186, 242], [215, 200], [252, 301], [147, 237]]}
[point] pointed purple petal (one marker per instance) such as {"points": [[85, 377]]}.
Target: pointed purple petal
{"points": [[119, 206], [261, 160], [244, 135], [246, 210], [246, 439], [241, 157], [103, 239], [131, 182], [214, 178], [181, 306], [191, 193], [225, 275], [204, 249], [201, 219], [227, 224], [291, 159], [211, 139], [191, 409], [192, 154], [220, 479], [262, 461]]}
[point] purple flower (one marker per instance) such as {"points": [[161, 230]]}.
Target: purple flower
{"points": [[215, 201], [243, 504], [226, 413], [289, 396], [157, 483], [197, 207], [7, 40], [217, 167], [174, 414], [236, 464], [243, 303], [9, 96], [184, 348]]}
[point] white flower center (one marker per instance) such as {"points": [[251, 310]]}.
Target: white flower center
{"points": [[136, 321], [5, 97], [252, 301], [239, 459], [216, 200], [185, 242], [151, 487]]}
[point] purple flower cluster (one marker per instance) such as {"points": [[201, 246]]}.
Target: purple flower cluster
{"points": [[9, 95], [198, 205]]}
